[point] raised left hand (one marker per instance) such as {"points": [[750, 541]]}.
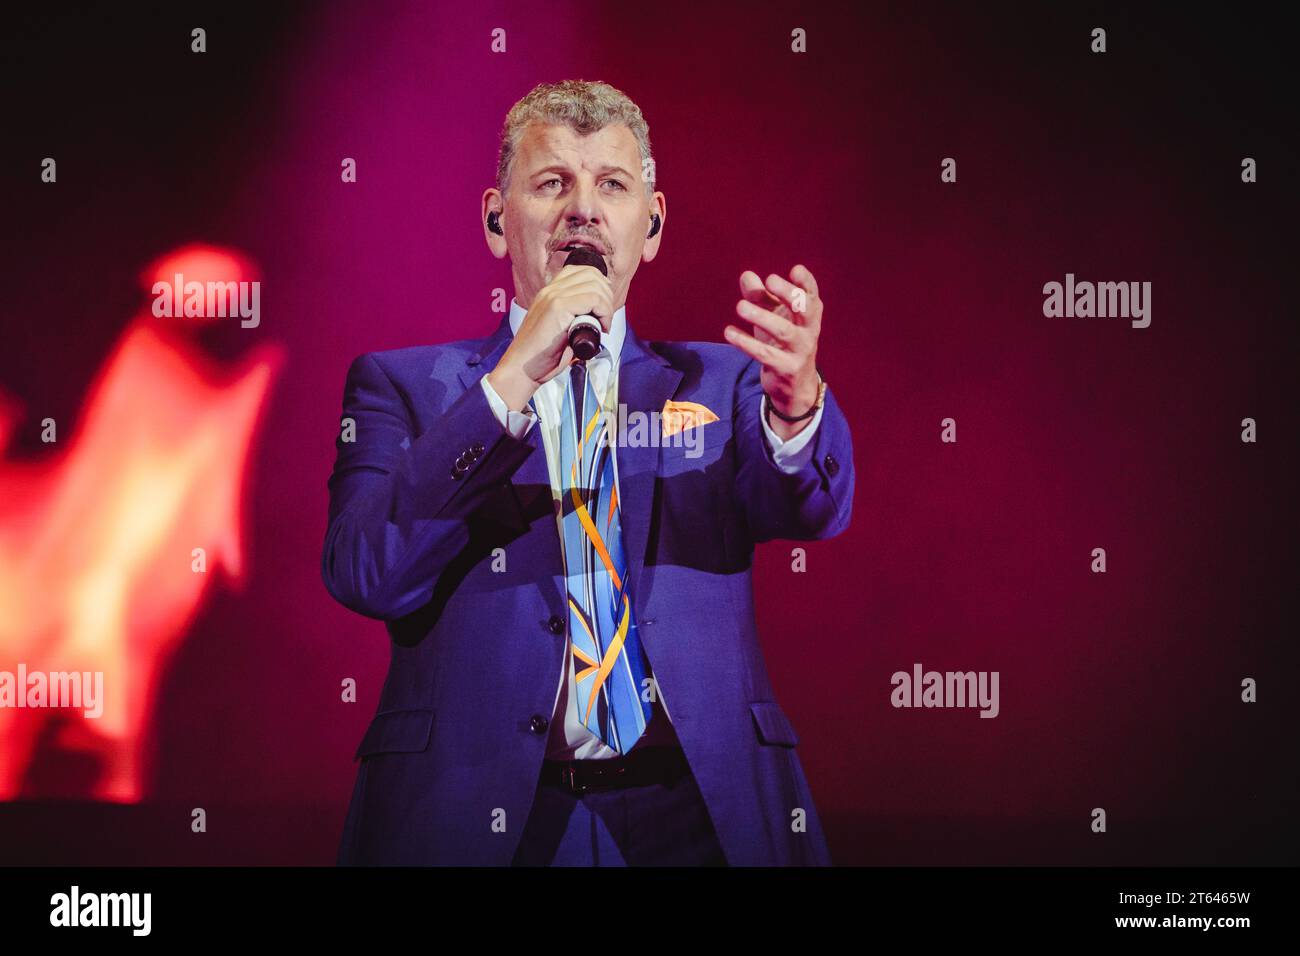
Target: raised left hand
{"points": [[787, 318]]}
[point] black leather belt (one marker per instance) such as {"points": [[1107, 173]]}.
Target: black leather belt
{"points": [[638, 768]]}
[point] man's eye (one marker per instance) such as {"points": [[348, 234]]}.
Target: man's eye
{"points": [[615, 182], [549, 181]]}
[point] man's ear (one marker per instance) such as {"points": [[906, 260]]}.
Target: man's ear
{"points": [[491, 212], [658, 207]]}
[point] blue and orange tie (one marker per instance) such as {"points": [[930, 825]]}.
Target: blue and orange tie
{"points": [[609, 666]]}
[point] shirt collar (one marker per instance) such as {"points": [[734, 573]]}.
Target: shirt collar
{"points": [[611, 340]]}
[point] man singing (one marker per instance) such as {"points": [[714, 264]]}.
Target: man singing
{"points": [[576, 674]]}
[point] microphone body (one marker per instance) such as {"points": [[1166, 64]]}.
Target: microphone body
{"points": [[584, 333]]}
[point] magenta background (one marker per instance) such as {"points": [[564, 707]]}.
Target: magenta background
{"points": [[1117, 690]]}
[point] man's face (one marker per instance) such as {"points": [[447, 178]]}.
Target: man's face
{"points": [[565, 188]]}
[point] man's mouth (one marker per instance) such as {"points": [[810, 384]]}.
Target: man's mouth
{"points": [[580, 243]]}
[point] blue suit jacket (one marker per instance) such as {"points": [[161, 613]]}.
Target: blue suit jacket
{"points": [[450, 761]]}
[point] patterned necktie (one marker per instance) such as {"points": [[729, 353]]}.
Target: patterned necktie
{"points": [[609, 665]]}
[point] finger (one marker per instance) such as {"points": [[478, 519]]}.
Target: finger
{"points": [[571, 272], [601, 309], [793, 297], [779, 327], [751, 287], [594, 284], [579, 273], [811, 315], [598, 311], [606, 312], [769, 355], [565, 360], [804, 278]]}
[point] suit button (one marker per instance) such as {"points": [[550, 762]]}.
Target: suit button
{"points": [[537, 724], [477, 448], [830, 464], [555, 625], [458, 470]]}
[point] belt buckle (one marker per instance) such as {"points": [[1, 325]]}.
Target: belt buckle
{"points": [[568, 777]]}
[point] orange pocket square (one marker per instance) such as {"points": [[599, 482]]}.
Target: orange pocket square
{"points": [[679, 416]]}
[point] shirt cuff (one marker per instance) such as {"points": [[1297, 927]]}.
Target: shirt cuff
{"points": [[516, 423], [789, 456]]}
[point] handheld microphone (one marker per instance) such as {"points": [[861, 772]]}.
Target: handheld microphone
{"points": [[584, 333]]}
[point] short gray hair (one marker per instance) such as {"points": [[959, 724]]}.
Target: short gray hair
{"points": [[586, 107]]}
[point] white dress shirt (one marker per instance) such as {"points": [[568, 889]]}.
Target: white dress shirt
{"points": [[569, 738]]}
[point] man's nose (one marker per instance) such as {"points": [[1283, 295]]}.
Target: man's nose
{"points": [[583, 206]]}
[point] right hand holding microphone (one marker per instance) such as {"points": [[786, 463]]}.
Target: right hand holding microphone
{"points": [[540, 349]]}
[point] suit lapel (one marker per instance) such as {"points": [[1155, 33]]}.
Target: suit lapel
{"points": [[645, 381], [485, 359]]}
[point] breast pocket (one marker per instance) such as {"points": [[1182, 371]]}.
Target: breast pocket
{"points": [[397, 731], [772, 725]]}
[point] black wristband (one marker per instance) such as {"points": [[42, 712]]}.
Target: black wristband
{"points": [[821, 390], [786, 418]]}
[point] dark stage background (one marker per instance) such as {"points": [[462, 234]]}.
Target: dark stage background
{"points": [[1118, 690]]}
